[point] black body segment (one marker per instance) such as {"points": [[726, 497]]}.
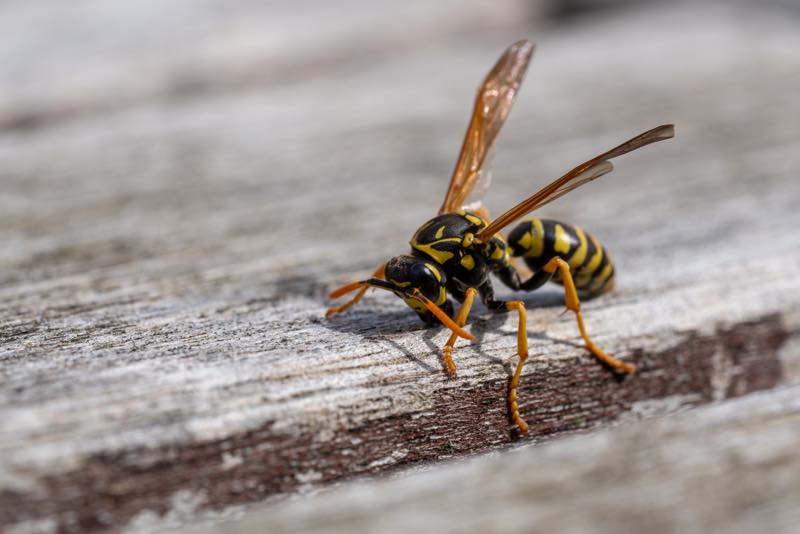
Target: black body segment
{"points": [[447, 240], [412, 271], [539, 240], [446, 258]]}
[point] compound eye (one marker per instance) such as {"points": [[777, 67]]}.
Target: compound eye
{"points": [[399, 271], [424, 279], [418, 273]]}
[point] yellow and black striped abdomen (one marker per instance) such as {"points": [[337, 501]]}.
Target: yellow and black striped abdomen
{"points": [[539, 240]]}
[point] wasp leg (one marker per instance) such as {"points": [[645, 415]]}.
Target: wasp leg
{"points": [[487, 295], [461, 318], [574, 304], [508, 273], [522, 352], [347, 289]]}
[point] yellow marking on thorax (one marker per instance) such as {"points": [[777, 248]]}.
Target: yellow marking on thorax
{"points": [[423, 228], [400, 284], [580, 253], [534, 245], [439, 232], [468, 239], [474, 219], [468, 262], [439, 256], [562, 243]]}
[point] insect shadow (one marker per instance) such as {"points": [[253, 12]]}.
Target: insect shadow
{"points": [[384, 317]]}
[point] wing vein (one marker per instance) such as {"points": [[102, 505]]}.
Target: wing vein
{"points": [[582, 174], [492, 104]]}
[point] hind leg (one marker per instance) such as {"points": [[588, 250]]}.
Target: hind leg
{"points": [[511, 278], [574, 305]]}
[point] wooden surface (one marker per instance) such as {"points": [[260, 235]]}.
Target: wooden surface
{"points": [[181, 188], [729, 468]]}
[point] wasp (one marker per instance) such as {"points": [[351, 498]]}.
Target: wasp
{"points": [[455, 252]]}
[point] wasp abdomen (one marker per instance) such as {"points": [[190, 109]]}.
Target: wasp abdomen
{"points": [[539, 240]]}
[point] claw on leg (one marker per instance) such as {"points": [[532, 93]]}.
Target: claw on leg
{"points": [[522, 352]]}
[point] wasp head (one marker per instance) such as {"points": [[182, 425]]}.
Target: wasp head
{"points": [[410, 277]]}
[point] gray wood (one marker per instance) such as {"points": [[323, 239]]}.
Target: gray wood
{"points": [[731, 467], [166, 247]]}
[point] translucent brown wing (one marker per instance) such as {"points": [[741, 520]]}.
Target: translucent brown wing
{"points": [[474, 200], [583, 173], [494, 101]]}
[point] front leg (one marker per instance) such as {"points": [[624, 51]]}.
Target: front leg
{"points": [[461, 319], [362, 289]]}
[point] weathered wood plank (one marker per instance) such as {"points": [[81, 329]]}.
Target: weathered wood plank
{"points": [[163, 264], [727, 468]]}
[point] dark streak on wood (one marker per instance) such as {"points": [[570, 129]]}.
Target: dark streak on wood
{"points": [[566, 396]]}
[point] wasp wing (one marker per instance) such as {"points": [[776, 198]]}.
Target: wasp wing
{"points": [[592, 173], [583, 173], [492, 104], [474, 200]]}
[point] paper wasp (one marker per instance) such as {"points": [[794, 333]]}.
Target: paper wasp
{"points": [[457, 250]]}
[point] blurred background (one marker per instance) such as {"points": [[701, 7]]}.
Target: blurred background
{"points": [[176, 116], [185, 112], [182, 182]]}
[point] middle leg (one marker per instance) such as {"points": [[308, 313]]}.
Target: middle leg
{"points": [[487, 295], [522, 352]]}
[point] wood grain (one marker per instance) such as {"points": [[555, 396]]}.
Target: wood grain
{"points": [[164, 257], [730, 467]]}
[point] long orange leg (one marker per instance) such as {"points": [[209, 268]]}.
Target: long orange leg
{"points": [[461, 318], [574, 304], [347, 289], [522, 352]]}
